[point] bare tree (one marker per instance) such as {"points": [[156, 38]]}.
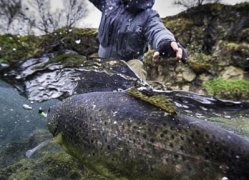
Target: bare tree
{"points": [[9, 11], [75, 11], [47, 18], [192, 3]]}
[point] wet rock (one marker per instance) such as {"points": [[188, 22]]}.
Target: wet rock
{"points": [[56, 76]]}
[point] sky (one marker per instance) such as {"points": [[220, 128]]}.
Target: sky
{"points": [[163, 7]]}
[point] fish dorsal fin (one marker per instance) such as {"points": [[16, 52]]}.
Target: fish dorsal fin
{"points": [[158, 100]]}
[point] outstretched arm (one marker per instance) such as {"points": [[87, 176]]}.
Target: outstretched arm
{"points": [[100, 4], [162, 40]]}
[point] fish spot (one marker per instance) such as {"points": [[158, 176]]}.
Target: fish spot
{"points": [[207, 149], [143, 146], [108, 147], [171, 145], [172, 136], [151, 168], [106, 123], [176, 156], [197, 132], [152, 140], [144, 136], [181, 148], [93, 154], [164, 124], [144, 123], [182, 138]]}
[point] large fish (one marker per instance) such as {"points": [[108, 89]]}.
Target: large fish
{"points": [[125, 138]]}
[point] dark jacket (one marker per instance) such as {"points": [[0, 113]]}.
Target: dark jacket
{"points": [[126, 29]]}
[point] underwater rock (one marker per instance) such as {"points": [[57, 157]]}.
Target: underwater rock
{"points": [[47, 164]]}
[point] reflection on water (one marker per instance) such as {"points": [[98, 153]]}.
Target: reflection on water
{"points": [[233, 116]]}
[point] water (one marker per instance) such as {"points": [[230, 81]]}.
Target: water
{"points": [[22, 128]]}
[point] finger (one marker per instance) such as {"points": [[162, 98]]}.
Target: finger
{"points": [[179, 53], [156, 55], [174, 45]]}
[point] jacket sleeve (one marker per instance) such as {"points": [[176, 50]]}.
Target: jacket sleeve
{"points": [[155, 31], [100, 4]]}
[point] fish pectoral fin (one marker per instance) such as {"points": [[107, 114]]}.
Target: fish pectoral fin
{"points": [[59, 139]]}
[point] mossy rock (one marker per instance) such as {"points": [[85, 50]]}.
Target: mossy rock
{"points": [[18, 48], [48, 163], [82, 41], [228, 89], [68, 59], [200, 67], [49, 167], [241, 48], [245, 35]]}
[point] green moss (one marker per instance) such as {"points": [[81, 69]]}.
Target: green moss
{"points": [[16, 48], [179, 24], [228, 89], [216, 7], [203, 64], [199, 66], [82, 41], [242, 48], [50, 166], [3, 60], [68, 60], [245, 32]]}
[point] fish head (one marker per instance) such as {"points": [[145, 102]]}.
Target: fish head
{"points": [[53, 117]]}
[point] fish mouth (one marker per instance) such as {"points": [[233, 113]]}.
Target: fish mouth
{"points": [[52, 122]]}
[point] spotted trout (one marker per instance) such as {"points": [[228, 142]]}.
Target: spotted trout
{"points": [[123, 137]]}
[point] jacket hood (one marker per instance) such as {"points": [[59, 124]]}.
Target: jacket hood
{"points": [[138, 5]]}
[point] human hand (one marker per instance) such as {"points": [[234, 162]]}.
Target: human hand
{"points": [[168, 49]]}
